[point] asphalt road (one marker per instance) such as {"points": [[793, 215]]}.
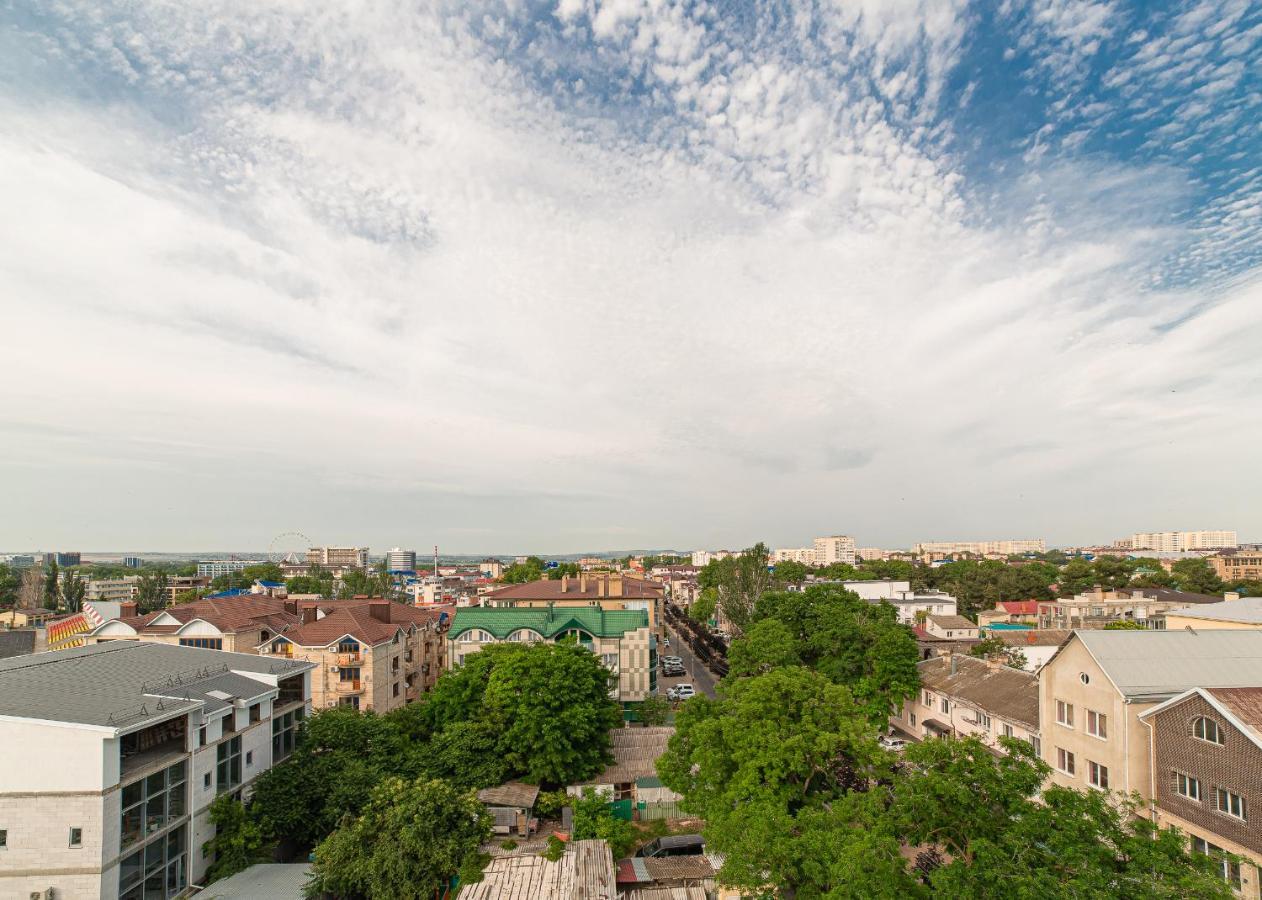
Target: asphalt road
{"points": [[695, 671]]}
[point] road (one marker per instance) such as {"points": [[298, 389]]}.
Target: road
{"points": [[695, 671]]}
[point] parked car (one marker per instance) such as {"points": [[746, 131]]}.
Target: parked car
{"points": [[892, 743], [681, 692], [674, 671], [674, 845]]}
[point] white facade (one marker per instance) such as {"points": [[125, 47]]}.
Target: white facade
{"points": [[837, 548], [401, 560], [215, 567], [111, 589], [912, 605], [705, 557], [981, 548], [1171, 541]]}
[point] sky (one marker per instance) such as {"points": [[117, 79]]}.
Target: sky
{"points": [[627, 274]]}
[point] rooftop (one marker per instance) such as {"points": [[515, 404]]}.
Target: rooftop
{"points": [[514, 793], [549, 622], [1246, 610], [1032, 637], [635, 753], [997, 690], [585, 872], [581, 587], [276, 881], [951, 621], [125, 684], [1160, 664]]}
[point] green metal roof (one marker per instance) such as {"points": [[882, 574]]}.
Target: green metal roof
{"points": [[549, 622]]}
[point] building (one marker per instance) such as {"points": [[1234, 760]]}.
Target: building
{"points": [[1011, 612], [1233, 612], [132, 562], [872, 554], [21, 561], [705, 557], [401, 560], [804, 555], [962, 696], [1181, 540], [913, 606], [491, 568], [1207, 774], [632, 776], [510, 806], [585, 870], [370, 654], [338, 557], [1095, 687], [621, 638], [275, 881], [952, 628], [1017, 547], [214, 568], [1098, 607], [1037, 645], [111, 589], [26, 618], [64, 558], [610, 592], [1238, 565], [123, 748], [836, 548]]}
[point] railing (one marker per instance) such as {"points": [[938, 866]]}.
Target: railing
{"points": [[349, 659], [349, 687]]}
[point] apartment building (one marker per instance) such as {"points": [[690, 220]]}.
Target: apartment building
{"points": [[398, 560], [368, 653], [705, 557], [1098, 607], [338, 557], [835, 548], [1095, 688], [981, 548], [1180, 540], [622, 639], [123, 748], [609, 592], [111, 589], [804, 555], [914, 606], [962, 696], [213, 568], [1207, 775], [1238, 565]]}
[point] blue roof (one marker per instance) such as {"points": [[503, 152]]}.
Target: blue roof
{"points": [[235, 592], [270, 584]]}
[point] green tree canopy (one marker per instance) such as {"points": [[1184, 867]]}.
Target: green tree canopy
{"points": [[412, 837], [151, 591], [73, 590], [238, 842], [594, 820], [1196, 576], [739, 581]]}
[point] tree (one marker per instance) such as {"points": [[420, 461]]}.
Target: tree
{"points": [[780, 766], [151, 591], [238, 842], [51, 589], [653, 711], [73, 589], [594, 820], [1077, 576], [247, 576], [310, 584], [520, 573], [1126, 625], [412, 837], [992, 646], [1197, 576], [791, 572], [10, 584], [740, 581], [556, 573], [702, 609], [767, 644]]}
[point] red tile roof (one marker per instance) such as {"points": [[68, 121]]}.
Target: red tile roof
{"points": [[1020, 607], [572, 589]]}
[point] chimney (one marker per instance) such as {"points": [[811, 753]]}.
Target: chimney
{"points": [[291, 607], [615, 586], [602, 587], [379, 610], [127, 609], [1231, 595], [565, 583], [582, 584], [309, 614]]}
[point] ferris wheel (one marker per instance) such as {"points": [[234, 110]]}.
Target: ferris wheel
{"points": [[289, 547]]}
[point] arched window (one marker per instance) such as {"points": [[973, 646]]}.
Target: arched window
{"points": [[477, 636], [1207, 730], [524, 635]]}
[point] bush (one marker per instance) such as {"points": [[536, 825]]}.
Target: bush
{"points": [[509, 844], [555, 849], [550, 803]]}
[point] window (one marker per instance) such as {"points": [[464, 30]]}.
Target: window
{"points": [[1227, 802], [1097, 724], [206, 782], [1007, 729], [352, 702], [152, 803], [912, 716], [1037, 743], [477, 636], [156, 869], [256, 713], [1064, 760], [1097, 775], [348, 646], [249, 757], [4, 838], [1207, 730], [348, 673], [285, 733], [396, 689], [946, 705], [1084, 677], [928, 699], [201, 736], [983, 720], [228, 770], [1187, 786], [1229, 870], [76, 837], [1064, 714], [204, 643]]}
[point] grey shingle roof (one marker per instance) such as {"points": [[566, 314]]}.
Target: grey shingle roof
{"points": [[999, 691], [124, 683], [1160, 664]]}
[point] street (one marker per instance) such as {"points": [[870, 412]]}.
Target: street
{"points": [[695, 672]]}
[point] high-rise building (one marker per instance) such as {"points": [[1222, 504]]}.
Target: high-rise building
{"points": [[338, 557], [1181, 540], [21, 561], [63, 559], [982, 548], [401, 560], [213, 568], [836, 548], [132, 562]]}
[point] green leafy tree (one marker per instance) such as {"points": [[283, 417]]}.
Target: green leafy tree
{"points": [[1126, 625], [703, 608], [1077, 576], [51, 585], [767, 644], [791, 572], [594, 820], [1196, 576], [654, 711], [556, 573], [897, 569], [73, 589], [238, 842], [310, 584], [412, 837], [10, 584], [520, 573], [151, 591], [739, 580]]}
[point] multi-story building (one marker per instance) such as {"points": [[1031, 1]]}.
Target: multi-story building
{"points": [[21, 561], [1234, 612], [1099, 607], [132, 562], [368, 653], [872, 554], [914, 606], [1238, 565], [111, 589], [836, 548], [1094, 689], [64, 558], [804, 555], [338, 557], [982, 548], [705, 557], [114, 754], [1207, 775], [1037, 645], [610, 592], [621, 638], [400, 560], [214, 568], [953, 628], [1181, 540], [962, 696]]}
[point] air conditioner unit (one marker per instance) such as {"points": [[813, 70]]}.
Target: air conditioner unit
{"points": [[334, 669]]}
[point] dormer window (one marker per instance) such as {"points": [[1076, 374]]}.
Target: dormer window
{"points": [[478, 636], [1208, 730], [347, 646]]}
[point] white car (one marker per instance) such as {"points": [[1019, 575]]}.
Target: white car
{"points": [[681, 692], [892, 743]]}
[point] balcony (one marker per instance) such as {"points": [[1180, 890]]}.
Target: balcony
{"points": [[353, 658], [352, 686], [157, 745]]}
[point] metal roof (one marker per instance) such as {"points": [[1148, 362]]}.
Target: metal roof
{"points": [[513, 794], [1247, 610], [125, 684], [275, 881], [1159, 664], [549, 621]]}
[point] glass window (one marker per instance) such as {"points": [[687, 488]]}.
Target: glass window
{"points": [[1230, 803], [1007, 730], [1187, 786], [1098, 775], [946, 705], [76, 837], [1065, 761], [348, 673], [228, 769], [1064, 713], [1097, 724], [1207, 730]]}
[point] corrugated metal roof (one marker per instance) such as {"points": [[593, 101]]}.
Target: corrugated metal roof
{"points": [[635, 754], [502, 622], [275, 881], [513, 793], [1165, 663], [1247, 610]]}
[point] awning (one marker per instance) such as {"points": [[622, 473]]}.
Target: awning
{"points": [[935, 726]]}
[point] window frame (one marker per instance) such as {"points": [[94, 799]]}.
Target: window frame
{"points": [[1183, 779], [1101, 729], [1220, 793], [1062, 756], [1199, 723], [1064, 714], [1094, 772]]}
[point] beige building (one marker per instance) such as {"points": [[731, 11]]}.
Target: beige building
{"points": [[608, 592], [370, 653], [1098, 607], [621, 638], [1094, 689], [835, 548], [962, 696], [111, 589], [1233, 612], [955, 628], [338, 557], [1239, 565], [1181, 540], [981, 548], [26, 618]]}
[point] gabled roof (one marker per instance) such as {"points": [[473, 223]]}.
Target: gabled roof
{"points": [[1032, 637], [1246, 610], [951, 621], [1156, 665], [997, 690], [571, 588], [549, 622], [1242, 707], [1020, 607]]}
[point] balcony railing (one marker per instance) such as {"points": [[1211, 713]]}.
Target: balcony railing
{"points": [[349, 687], [349, 659]]}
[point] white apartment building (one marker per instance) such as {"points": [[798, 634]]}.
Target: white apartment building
{"points": [[111, 754], [111, 589], [982, 548], [804, 555], [836, 548], [1172, 541], [913, 606], [401, 560], [338, 557], [213, 568], [705, 557]]}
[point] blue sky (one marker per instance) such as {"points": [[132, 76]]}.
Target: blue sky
{"points": [[579, 274]]}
